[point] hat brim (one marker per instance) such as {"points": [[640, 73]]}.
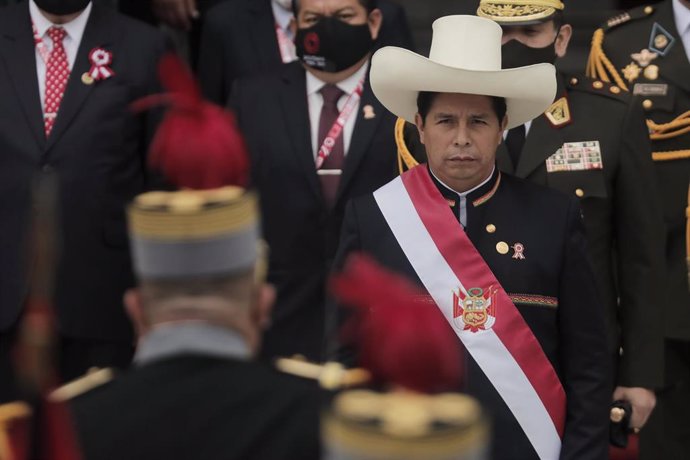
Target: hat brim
{"points": [[398, 75]]}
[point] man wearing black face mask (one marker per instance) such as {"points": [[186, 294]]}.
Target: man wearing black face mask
{"points": [[317, 137], [592, 142], [244, 37], [69, 70]]}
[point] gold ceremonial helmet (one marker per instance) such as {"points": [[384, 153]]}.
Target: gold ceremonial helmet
{"points": [[519, 12]]}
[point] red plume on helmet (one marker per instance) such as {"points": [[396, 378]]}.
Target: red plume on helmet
{"points": [[198, 144], [402, 338]]}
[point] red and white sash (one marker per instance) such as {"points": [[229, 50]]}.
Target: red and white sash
{"points": [[477, 307]]}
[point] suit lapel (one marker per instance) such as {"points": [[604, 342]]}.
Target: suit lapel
{"points": [[98, 33], [674, 65], [263, 33], [296, 115], [363, 133], [503, 160], [20, 59]]}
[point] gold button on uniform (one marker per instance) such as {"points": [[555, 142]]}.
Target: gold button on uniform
{"points": [[647, 104], [491, 228], [597, 84], [579, 192], [573, 81], [502, 247], [648, 10], [87, 79], [615, 89]]}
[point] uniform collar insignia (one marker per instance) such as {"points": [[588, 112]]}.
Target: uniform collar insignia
{"points": [[558, 113], [644, 57], [660, 40]]}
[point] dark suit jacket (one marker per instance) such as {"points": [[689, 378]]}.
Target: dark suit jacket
{"points": [[301, 232], [622, 218], [196, 407], [97, 151], [572, 334], [620, 41], [239, 39]]}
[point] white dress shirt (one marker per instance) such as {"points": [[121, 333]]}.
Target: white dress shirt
{"points": [[681, 13], [282, 18], [75, 31], [315, 101]]}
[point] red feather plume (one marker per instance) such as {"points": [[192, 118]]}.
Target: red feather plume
{"points": [[198, 144], [402, 339]]}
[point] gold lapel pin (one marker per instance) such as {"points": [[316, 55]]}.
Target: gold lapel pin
{"points": [[502, 247], [87, 79], [368, 112]]}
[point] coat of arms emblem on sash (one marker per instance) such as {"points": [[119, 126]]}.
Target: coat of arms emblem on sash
{"points": [[476, 311]]}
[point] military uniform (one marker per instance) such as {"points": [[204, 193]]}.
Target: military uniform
{"points": [[643, 51]]}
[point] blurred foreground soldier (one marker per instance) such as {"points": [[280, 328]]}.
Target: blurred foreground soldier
{"points": [[317, 137], [245, 37], [195, 391], [647, 52], [504, 260], [65, 90], [592, 143], [411, 354]]}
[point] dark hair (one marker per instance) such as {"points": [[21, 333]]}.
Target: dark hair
{"points": [[558, 19], [370, 5], [425, 99]]}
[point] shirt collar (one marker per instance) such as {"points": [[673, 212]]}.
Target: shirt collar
{"points": [[681, 14], [348, 85], [74, 28], [191, 337], [482, 186], [281, 16]]}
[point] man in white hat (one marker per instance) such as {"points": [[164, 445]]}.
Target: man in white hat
{"points": [[503, 260]]}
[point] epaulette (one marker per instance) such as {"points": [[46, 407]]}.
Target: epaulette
{"points": [[93, 379], [331, 375], [601, 88], [623, 18]]}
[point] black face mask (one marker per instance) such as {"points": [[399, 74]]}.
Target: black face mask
{"points": [[332, 45], [61, 7], [515, 54]]}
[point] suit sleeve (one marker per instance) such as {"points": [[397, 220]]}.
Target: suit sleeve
{"points": [[335, 349], [639, 236], [212, 61], [585, 364]]}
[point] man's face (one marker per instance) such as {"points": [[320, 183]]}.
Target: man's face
{"points": [[539, 36], [349, 11], [461, 133]]}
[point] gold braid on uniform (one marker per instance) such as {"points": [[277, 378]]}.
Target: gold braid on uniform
{"points": [[405, 158], [599, 66], [674, 128], [8, 414]]}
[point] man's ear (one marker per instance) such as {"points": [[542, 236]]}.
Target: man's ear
{"points": [[135, 310], [563, 39], [419, 121], [263, 305], [375, 20]]}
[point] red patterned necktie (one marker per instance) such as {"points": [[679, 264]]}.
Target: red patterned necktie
{"points": [[57, 74], [330, 172]]}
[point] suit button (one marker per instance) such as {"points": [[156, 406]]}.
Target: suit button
{"points": [[647, 104], [47, 169], [579, 192]]}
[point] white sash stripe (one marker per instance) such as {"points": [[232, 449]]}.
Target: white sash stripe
{"points": [[485, 347]]}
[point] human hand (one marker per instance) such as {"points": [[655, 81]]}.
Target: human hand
{"points": [[176, 13], [642, 400]]}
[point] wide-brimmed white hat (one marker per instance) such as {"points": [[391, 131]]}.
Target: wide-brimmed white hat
{"points": [[465, 57]]}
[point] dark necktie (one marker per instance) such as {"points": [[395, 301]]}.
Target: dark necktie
{"points": [[330, 172], [515, 140]]}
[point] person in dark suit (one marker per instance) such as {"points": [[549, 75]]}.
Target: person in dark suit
{"points": [[64, 111], [592, 143], [287, 118], [647, 51], [240, 38], [486, 246], [198, 336]]}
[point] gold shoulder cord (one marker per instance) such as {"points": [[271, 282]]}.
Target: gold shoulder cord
{"points": [[405, 158], [8, 414], [599, 67]]}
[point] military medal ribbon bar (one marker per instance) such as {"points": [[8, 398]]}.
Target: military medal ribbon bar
{"points": [[476, 306]]}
